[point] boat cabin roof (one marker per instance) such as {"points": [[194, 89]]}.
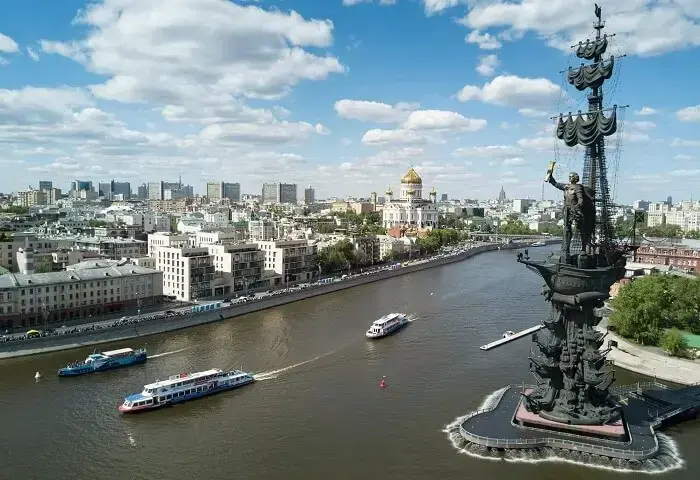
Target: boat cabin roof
{"points": [[387, 318], [182, 377], [120, 351]]}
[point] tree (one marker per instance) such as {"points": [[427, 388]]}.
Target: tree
{"points": [[17, 210], [648, 305], [43, 267], [336, 257], [516, 227], [674, 343], [663, 231]]}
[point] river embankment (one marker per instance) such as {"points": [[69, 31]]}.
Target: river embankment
{"points": [[159, 325], [644, 360]]}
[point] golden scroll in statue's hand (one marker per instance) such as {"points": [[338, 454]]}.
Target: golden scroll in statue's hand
{"points": [[550, 171]]}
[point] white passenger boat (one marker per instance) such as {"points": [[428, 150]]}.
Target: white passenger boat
{"points": [[183, 387], [387, 325]]}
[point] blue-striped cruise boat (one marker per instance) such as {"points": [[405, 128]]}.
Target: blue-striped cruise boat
{"points": [[101, 361], [183, 387]]}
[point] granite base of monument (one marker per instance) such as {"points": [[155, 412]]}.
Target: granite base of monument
{"points": [[613, 431], [508, 425]]}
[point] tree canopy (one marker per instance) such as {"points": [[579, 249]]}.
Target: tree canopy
{"points": [[516, 227], [439, 238], [649, 305]]}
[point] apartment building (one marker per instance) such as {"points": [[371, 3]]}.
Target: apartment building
{"points": [[167, 239], [114, 248], [51, 298], [241, 267], [293, 260], [187, 271], [261, 230]]}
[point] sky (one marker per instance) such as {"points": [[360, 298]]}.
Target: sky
{"points": [[343, 95]]}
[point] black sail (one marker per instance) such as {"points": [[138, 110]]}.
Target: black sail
{"points": [[586, 129], [592, 48], [591, 76]]}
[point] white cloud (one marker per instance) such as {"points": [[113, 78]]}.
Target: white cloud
{"points": [[442, 120], [487, 65], [643, 125], [424, 126], [486, 41], [642, 27], [514, 162], [378, 136], [646, 111], [350, 3], [683, 156], [513, 91], [538, 143], [197, 49], [32, 54], [689, 114], [194, 62], [373, 111], [8, 45], [685, 173], [489, 151], [532, 113], [679, 142]]}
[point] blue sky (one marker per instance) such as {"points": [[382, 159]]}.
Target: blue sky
{"points": [[344, 95]]}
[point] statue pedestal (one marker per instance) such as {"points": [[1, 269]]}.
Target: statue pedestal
{"points": [[613, 431]]}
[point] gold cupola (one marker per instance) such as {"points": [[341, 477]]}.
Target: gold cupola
{"points": [[389, 192], [411, 178]]}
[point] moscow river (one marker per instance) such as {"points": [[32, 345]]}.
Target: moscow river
{"points": [[319, 413]]}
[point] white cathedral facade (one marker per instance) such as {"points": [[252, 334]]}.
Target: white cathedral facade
{"points": [[410, 209]]}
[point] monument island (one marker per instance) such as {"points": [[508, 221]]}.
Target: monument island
{"points": [[572, 408]]}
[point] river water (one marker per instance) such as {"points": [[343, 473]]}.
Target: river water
{"points": [[319, 413]]}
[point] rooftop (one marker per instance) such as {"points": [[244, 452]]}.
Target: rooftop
{"points": [[13, 280]]}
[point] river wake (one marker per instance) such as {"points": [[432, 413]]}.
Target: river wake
{"points": [[168, 353], [668, 458], [271, 374]]}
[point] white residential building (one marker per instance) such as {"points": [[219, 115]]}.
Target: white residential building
{"points": [[293, 260], [187, 271], [242, 267], [165, 239]]}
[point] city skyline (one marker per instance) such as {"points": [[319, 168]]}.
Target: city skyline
{"points": [[327, 103]]}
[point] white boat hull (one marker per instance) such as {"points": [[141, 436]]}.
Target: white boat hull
{"points": [[387, 332]]}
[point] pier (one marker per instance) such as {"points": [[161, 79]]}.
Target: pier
{"points": [[515, 336]]}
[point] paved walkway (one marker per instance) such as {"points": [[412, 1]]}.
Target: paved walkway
{"points": [[647, 361]]}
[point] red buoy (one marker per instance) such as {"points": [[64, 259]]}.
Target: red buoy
{"points": [[382, 383]]}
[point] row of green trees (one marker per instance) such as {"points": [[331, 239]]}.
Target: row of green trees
{"points": [[437, 238], [624, 230], [343, 256], [652, 310]]}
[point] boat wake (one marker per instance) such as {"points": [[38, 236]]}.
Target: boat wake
{"points": [[269, 375], [412, 317], [168, 353], [668, 458]]}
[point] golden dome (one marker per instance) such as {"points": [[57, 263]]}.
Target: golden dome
{"points": [[389, 191], [411, 178], [433, 191]]}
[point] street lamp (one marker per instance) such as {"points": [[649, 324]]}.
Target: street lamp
{"points": [[138, 305]]}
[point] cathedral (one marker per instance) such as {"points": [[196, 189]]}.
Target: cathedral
{"points": [[410, 210]]}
